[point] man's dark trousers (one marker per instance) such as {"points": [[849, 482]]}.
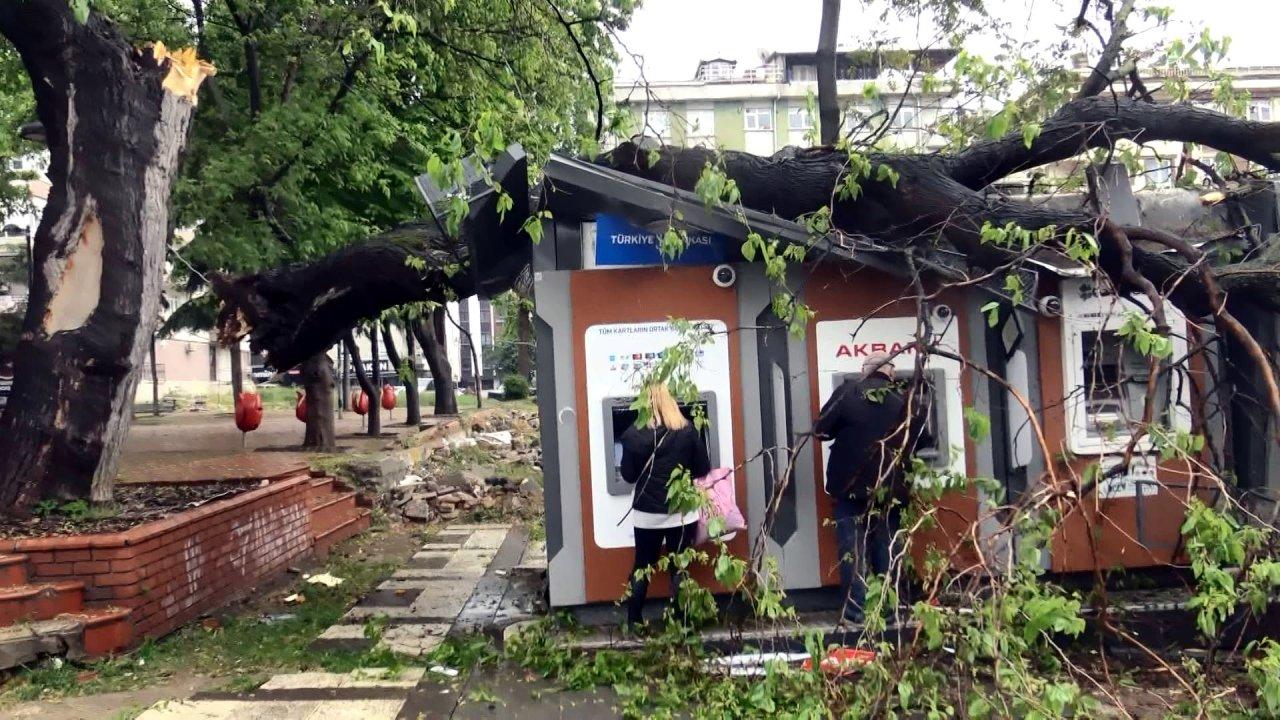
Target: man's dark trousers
{"points": [[864, 539]]}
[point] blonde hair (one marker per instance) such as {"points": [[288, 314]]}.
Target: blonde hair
{"points": [[665, 410]]}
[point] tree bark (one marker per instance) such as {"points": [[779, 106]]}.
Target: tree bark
{"points": [[155, 380], [429, 330], [362, 378], [413, 403], [375, 381], [317, 379], [410, 381], [828, 101], [115, 135], [237, 370]]}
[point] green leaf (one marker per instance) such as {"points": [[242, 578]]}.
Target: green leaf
{"points": [[80, 8], [992, 310], [998, 125], [1030, 132]]}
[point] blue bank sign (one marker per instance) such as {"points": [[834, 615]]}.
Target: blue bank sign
{"points": [[619, 243]]}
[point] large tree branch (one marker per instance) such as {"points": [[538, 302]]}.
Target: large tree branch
{"points": [[1101, 77], [292, 312], [1098, 122]]}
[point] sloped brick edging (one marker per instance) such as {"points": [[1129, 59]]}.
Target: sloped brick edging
{"points": [[172, 571]]}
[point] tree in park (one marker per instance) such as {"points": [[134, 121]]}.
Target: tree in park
{"points": [[115, 117], [309, 139]]}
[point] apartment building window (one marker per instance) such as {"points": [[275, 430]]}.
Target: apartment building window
{"points": [[906, 116], [1157, 172], [800, 125], [1260, 110], [658, 124], [758, 118], [702, 127], [798, 118], [803, 73]]}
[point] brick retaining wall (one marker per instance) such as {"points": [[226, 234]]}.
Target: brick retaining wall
{"points": [[172, 571]]}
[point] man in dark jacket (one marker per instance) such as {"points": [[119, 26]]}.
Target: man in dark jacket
{"points": [[866, 422]]}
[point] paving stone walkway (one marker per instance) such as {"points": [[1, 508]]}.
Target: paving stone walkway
{"points": [[469, 578]]}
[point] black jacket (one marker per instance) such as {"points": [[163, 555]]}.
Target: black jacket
{"points": [[649, 455], [864, 419]]}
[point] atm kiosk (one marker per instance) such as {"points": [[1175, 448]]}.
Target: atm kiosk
{"points": [[604, 299]]}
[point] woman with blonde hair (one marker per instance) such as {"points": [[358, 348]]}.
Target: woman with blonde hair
{"points": [[652, 454]]}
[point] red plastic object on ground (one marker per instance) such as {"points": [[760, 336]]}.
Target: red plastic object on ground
{"points": [[248, 411], [300, 410], [359, 402], [388, 397], [842, 660]]}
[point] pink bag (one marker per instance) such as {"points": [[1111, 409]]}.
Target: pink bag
{"points": [[718, 485]]}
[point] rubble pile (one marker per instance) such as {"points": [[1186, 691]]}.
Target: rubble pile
{"points": [[451, 483]]}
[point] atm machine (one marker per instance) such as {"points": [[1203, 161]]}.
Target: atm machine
{"points": [[618, 357], [843, 345]]}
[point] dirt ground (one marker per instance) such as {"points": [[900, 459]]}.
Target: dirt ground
{"points": [[183, 445]]}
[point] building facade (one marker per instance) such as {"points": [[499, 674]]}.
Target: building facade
{"points": [[765, 108], [483, 326]]}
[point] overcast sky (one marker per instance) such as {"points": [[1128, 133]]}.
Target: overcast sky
{"points": [[673, 35]]}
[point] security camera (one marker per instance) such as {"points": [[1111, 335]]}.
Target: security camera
{"points": [[724, 276], [942, 313], [1050, 306]]}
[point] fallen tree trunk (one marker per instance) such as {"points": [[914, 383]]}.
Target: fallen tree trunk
{"points": [[292, 312], [918, 201], [115, 119]]}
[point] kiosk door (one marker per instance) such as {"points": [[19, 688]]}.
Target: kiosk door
{"points": [[617, 359]]}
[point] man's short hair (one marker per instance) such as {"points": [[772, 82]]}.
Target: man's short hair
{"points": [[877, 362]]}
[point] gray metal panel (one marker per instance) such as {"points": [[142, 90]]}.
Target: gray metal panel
{"points": [[1034, 396], [801, 568], [775, 411], [994, 542], [545, 252], [751, 287], [566, 570]]}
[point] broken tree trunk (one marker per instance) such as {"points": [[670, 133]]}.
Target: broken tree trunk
{"points": [[317, 379], [116, 120], [429, 331]]}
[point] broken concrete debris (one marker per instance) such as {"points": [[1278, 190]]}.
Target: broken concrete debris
{"points": [[439, 489]]}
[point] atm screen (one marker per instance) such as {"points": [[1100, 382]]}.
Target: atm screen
{"points": [[935, 430], [619, 416]]}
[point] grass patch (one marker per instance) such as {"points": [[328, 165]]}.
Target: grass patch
{"points": [[246, 648]]}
